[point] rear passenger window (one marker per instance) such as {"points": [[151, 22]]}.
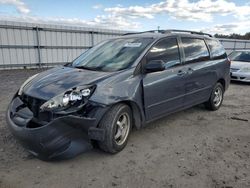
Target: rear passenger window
{"points": [[195, 50], [216, 49], [166, 50]]}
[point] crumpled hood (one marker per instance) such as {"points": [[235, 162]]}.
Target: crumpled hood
{"points": [[58, 80], [239, 64]]}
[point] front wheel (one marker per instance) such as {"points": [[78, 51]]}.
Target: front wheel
{"points": [[216, 98], [117, 124]]}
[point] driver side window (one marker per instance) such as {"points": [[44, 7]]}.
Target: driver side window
{"points": [[166, 50]]}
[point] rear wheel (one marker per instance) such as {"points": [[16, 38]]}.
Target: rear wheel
{"points": [[216, 97], [117, 125]]}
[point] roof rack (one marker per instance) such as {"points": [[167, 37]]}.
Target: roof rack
{"points": [[170, 31]]}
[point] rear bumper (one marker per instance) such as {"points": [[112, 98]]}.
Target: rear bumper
{"points": [[61, 138]]}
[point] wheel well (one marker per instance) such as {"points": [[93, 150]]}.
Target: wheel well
{"points": [[136, 113], [222, 81]]}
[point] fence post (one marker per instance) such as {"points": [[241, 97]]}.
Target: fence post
{"points": [[92, 38], [38, 47], [234, 45]]}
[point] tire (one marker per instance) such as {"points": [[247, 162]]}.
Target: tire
{"points": [[215, 100], [112, 123]]}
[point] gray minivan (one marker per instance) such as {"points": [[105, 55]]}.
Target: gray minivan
{"points": [[119, 84]]}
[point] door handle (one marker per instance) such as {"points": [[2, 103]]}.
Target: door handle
{"points": [[181, 72]]}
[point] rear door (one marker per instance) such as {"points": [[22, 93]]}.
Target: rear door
{"points": [[164, 90], [200, 74]]}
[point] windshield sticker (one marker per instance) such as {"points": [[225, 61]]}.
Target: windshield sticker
{"points": [[133, 45]]}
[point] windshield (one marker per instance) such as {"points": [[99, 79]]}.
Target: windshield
{"points": [[112, 55], [240, 56]]}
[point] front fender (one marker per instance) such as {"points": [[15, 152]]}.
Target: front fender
{"points": [[127, 89]]}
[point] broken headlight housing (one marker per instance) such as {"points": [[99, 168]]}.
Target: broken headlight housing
{"points": [[72, 98]]}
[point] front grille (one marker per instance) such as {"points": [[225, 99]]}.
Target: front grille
{"points": [[32, 103], [234, 69]]}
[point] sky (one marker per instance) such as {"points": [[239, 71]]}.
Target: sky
{"points": [[212, 16]]}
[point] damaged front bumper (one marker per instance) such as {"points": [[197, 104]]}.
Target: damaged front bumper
{"points": [[62, 137]]}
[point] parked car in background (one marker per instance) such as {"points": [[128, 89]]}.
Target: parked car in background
{"points": [[240, 65], [118, 84]]}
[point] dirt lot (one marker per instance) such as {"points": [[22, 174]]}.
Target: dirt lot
{"points": [[193, 148]]}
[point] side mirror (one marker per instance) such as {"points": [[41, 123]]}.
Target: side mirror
{"points": [[155, 66]]}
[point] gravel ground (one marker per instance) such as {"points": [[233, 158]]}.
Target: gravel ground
{"points": [[192, 148]]}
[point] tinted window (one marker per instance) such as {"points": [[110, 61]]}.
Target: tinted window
{"points": [[195, 50], [240, 56], [216, 49], [166, 50]]}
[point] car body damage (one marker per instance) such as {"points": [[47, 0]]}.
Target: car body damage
{"points": [[66, 133]]}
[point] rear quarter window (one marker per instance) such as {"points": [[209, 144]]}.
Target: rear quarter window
{"points": [[195, 50], [217, 51]]}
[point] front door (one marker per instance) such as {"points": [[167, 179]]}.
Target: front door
{"points": [[164, 90]]}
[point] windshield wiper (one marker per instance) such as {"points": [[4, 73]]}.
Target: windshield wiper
{"points": [[88, 68], [68, 64]]}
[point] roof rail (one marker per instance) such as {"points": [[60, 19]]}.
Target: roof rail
{"points": [[187, 31], [170, 31], [149, 31]]}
